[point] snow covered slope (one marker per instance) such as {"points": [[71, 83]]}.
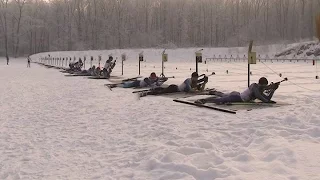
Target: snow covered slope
{"points": [[302, 50], [57, 127]]}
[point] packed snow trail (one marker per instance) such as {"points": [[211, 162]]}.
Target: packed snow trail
{"points": [[57, 127]]}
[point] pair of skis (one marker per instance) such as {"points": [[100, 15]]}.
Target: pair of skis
{"points": [[205, 106], [143, 93], [113, 85], [205, 92], [238, 105], [226, 110]]}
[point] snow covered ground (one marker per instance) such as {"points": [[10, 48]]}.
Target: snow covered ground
{"points": [[57, 127]]}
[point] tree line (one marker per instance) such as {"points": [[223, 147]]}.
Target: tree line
{"points": [[32, 26]]}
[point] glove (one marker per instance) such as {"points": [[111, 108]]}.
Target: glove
{"points": [[206, 79], [147, 81], [275, 86]]}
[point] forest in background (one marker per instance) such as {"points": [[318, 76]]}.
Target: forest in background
{"points": [[32, 26]]}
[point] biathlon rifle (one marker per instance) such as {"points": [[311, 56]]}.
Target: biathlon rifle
{"points": [[271, 86], [285, 79], [167, 77], [213, 73]]}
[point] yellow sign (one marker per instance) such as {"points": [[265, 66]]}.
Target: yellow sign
{"points": [[140, 57], [164, 57], [199, 57], [252, 58], [124, 57]]}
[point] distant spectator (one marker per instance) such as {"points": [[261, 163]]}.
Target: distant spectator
{"points": [[29, 60]]}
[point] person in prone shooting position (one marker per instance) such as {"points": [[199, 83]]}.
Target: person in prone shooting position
{"points": [[261, 91], [190, 85]]}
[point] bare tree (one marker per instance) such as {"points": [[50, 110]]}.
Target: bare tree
{"points": [[3, 20], [318, 26], [44, 25], [20, 4], [303, 2], [119, 19]]}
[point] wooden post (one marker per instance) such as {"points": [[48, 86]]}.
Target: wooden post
{"points": [[91, 61], [198, 59], [123, 58], [99, 60], [252, 59], [164, 59], [140, 59]]}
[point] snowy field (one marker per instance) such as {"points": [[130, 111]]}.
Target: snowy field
{"points": [[57, 127]]}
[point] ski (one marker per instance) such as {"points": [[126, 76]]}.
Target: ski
{"points": [[205, 106], [140, 91], [102, 77], [110, 88], [113, 85], [97, 77], [119, 81], [273, 104], [123, 81], [204, 92], [132, 79], [251, 103], [76, 75], [248, 106], [144, 93]]}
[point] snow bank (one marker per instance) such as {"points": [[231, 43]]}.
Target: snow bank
{"points": [[302, 50]]}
